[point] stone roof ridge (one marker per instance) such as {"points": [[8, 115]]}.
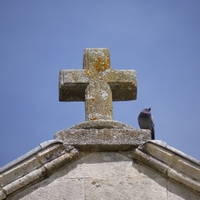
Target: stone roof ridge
{"points": [[34, 166], [170, 162], [175, 151], [20, 159]]}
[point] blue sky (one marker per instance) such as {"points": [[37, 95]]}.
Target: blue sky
{"points": [[159, 39]]}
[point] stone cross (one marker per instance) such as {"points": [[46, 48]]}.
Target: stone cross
{"points": [[97, 84]]}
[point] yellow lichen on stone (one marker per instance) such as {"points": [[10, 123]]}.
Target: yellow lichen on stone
{"points": [[87, 73], [101, 64], [92, 99], [94, 118]]}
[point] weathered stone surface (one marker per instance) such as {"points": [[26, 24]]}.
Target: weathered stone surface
{"points": [[125, 189], [103, 135], [62, 188], [101, 124], [97, 84], [35, 168], [106, 175], [173, 157], [176, 192], [170, 162]]}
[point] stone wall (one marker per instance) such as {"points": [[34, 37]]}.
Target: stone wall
{"points": [[106, 175]]}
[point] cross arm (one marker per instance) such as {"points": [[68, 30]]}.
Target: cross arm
{"points": [[72, 84], [123, 84]]}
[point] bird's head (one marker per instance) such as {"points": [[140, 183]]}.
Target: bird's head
{"points": [[146, 111], [149, 109]]}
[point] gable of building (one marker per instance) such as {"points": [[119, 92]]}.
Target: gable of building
{"points": [[154, 170]]}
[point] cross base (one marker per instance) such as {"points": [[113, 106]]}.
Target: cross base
{"points": [[103, 135]]}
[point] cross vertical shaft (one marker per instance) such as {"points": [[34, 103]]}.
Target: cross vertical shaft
{"points": [[98, 94]]}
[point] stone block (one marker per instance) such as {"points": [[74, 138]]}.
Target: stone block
{"points": [[103, 135]]}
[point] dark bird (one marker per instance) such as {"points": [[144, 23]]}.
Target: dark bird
{"points": [[145, 121]]}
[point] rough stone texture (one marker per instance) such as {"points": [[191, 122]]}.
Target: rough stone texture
{"points": [[170, 162], [103, 135], [35, 168], [106, 175], [97, 84]]}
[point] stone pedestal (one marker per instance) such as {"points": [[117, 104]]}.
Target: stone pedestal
{"points": [[103, 135]]}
